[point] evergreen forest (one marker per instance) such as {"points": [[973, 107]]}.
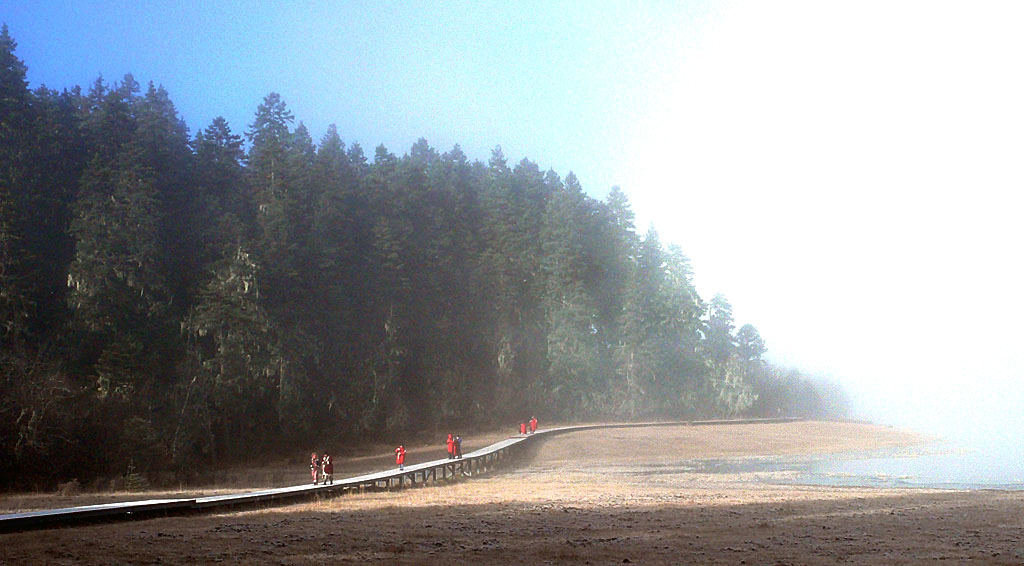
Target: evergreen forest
{"points": [[171, 302]]}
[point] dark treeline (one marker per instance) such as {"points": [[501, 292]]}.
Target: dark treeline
{"points": [[173, 303]]}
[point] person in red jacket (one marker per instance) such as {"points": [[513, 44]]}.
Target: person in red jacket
{"points": [[522, 428], [400, 457], [328, 467], [314, 467], [533, 425], [451, 446]]}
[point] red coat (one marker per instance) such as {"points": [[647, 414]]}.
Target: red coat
{"points": [[328, 465], [400, 455], [533, 425], [522, 428], [451, 444]]}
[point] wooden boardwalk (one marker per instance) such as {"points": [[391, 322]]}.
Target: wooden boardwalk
{"points": [[471, 464]]}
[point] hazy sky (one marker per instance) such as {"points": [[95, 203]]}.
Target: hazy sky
{"points": [[848, 174]]}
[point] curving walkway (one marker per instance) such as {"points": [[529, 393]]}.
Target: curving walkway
{"points": [[471, 464]]}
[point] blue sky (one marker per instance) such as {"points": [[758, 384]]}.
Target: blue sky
{"points": [[559, 83], [846, 173]]}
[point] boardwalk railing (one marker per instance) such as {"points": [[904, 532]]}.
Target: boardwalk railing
{"points": [[471, 464]]}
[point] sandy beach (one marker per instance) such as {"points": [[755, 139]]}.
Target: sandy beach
{"points": [[614, 496]]}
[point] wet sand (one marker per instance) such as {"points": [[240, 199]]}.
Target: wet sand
{"points": [[597, 497]]}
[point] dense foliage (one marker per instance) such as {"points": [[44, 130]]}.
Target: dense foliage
{"points": [[176, 302]]}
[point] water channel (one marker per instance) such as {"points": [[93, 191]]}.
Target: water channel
{"points": [[942, 465]]}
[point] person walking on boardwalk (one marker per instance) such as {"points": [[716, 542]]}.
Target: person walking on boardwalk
{"points": [[522, 427], [451, 446], [458, 447], [533, 425], [314, 467], [328, 467], [400, 456]]}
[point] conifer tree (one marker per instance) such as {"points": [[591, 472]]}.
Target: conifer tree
{"points": [[220, 215], [573, 350], [57, 161], [720, 325], [15, 142], [749, 344], [236, 366]]}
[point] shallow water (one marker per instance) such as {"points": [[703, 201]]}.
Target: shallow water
{"points": [[943, 465]]}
